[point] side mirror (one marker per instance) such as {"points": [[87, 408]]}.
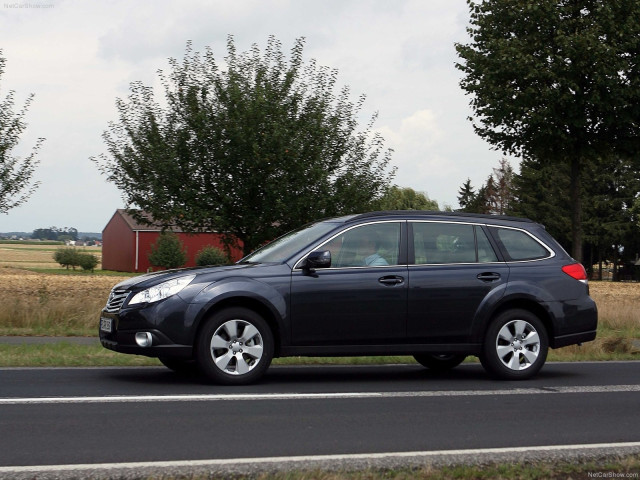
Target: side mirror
{"points": [[318, 259]]}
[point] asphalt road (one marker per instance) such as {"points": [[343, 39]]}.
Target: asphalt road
{"points": [[366, 414]]}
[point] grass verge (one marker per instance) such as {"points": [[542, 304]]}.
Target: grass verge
{"points": [[624, 467], [68, 354]]}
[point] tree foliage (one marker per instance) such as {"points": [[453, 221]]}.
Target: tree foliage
{"points": [[211, 255], [168, 251], [398, 198], [556, 82], [16, 172], [55, 233], [250, 149], [71, 257], [495, 196]]}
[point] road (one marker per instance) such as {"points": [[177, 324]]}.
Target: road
{"points": [[120, 416]]}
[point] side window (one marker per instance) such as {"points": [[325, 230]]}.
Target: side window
{"points": [[443, 243], [372, 245], [519, 245], [486, 253]]}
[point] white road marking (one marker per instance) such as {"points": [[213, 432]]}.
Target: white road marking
{"points": [[316, 396], [234, 462]]}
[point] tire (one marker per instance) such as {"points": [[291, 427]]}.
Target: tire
{"points": [[178, 365], [439, 363], [515, 346], [235, 347]]}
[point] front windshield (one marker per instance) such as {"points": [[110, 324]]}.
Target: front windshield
{"points": [[282, 248]]}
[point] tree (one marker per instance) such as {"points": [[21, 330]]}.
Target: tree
{"points": [[398, 198], [502, 188], [88, 261], [67, 257], [466, 196], [494, 197], [211, 255], [168, 251], [251, 150], [15, 172], [556, 81]]}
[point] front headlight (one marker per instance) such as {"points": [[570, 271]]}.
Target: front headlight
{"points": [[161, 291]]}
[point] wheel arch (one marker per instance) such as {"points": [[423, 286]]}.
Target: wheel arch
{"points": [[527, 304], [249, 303]]}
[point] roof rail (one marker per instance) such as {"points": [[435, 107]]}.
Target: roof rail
{"points": [[426, 213]]}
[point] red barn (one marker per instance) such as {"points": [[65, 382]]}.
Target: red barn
{"points": [[126, 244]]}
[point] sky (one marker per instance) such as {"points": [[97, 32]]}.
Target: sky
{"points": [[78, 56]]}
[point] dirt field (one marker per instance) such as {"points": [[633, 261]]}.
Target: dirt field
{"points": [[35, 255]]}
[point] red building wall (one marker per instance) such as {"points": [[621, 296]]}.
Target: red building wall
{"points": [[126, 250], [193, 244], [118, 246]]}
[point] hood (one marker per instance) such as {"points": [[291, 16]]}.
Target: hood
{"points": [[153, 278]]}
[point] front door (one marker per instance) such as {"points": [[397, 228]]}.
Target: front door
{"points": [[362, 298]]}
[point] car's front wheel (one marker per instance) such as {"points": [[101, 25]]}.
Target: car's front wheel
{"points": [[439, 362], [235, 347], [515, 346]]}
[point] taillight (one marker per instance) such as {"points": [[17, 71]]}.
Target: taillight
{"points": [[577, 271]]}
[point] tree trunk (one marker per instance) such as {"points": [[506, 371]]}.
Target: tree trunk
{"points": [[576, 209]]}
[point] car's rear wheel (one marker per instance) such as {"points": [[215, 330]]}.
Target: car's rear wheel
{"points": [[515, 346], [235, 346], [439, 362]]}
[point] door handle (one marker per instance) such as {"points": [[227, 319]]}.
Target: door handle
{"points": [[488, 276], [391, 280]]}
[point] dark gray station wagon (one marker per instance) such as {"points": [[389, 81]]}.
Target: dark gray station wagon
{"points": [[438, 286]]}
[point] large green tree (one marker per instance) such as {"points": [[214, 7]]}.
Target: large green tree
{"points": [[16, 185], [557, 81], [251, 147], [405, 198]]}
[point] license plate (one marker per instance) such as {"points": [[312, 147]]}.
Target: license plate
{"points": [[106, 324]]}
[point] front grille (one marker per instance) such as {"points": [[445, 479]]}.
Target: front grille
{"points": [[116, 299]]}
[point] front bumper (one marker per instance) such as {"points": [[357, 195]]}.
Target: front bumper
{"points": [[125, 342]]}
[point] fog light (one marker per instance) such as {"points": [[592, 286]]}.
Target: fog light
{"points": [[144, 339]]}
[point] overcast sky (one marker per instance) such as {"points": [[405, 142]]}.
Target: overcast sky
{"points": [[77, 57]]}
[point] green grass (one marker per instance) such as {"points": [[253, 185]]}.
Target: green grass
{"points": [[65, 354], [32, 242], [626, 467], [68, 354]]}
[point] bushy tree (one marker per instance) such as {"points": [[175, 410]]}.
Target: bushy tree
{"points": [[67, 257], [16, 173], [398, 198], [168, 251], [556, 82], [211, 255], [88, 261], [251, 150]]}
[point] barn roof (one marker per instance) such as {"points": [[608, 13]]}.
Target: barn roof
{"points": [[138, 226]]}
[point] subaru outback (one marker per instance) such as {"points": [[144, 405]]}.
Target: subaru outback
{"points": [[438, 286]]}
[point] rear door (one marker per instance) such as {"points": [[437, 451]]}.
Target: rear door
{"points": [[453, 269]]}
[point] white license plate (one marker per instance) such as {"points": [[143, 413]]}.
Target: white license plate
{"points": [[106, 324]]}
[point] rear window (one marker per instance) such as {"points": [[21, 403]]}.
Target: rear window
{"points": [[518, 245]]}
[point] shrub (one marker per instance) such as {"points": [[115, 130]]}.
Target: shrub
{"points": [[67, 257], [87, 261], [211, 255], [168, 251]]}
